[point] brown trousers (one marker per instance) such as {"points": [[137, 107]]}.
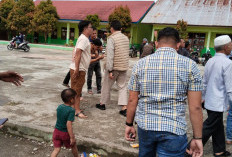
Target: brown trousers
{"points": [[77, 83]]}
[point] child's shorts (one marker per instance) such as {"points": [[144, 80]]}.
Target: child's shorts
{"points": [[61, 138]]}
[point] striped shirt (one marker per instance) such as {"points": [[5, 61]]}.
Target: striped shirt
{"points": [[163, 80]]}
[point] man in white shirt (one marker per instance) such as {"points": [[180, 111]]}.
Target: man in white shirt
{"points": [[80, 62], [217, 91]]}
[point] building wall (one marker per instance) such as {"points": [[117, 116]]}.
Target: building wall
{"points": [[202, 29], [141, 31]]}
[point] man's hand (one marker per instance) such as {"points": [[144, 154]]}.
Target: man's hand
{"points": [[130, 133], [1, 126], [196, 148], [102, 56], [76, 74], [72, 141], [111, 76], [11, 76]]}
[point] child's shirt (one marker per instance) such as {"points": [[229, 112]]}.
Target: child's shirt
{"points": [[64, 113]]}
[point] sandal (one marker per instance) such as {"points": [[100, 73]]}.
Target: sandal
{"points": [[90, 91], [81, 115]]}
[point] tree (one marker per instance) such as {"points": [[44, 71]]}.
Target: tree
{"points": [[19, 19], [45, 18], [182, 29], [121, 14], [5, 8], [95, 20]]}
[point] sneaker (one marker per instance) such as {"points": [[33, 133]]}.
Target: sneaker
{"points": [[99, 92], [123, 112], [101, 107]]}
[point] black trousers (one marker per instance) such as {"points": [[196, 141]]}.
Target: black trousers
{"points": [[67, 78], [94, 67], [213, 126]]}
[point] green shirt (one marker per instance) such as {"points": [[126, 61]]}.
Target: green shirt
{"points": [[64, 113]]}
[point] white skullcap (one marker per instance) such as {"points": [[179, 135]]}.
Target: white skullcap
{"points": [[145, 39], [221, 40]]}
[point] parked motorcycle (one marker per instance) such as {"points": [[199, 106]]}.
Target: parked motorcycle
{"points": [[195, 56], [23, 46], [207, 56], [133, 51]]}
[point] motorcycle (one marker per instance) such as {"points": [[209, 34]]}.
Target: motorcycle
{"points": [[22, 46], [207, 56], [133, 52], [195, 56]]}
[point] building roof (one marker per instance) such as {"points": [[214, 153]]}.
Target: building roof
{"points": [[78, 10], [195, 12]]}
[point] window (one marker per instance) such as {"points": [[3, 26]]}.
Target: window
{"points": [[197, 40], [72, 33], [63, 33], [54, 34]]}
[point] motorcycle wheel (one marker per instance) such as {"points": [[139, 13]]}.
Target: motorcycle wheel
{"points": [[9, 47], [26, 48]]}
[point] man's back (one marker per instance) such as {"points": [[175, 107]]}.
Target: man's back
{"points": [[163, 80], [214, 83]]}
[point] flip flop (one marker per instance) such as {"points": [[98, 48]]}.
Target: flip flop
{"points": [[81, 115]]}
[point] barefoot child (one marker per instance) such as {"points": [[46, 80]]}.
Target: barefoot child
{"points": [[63, 133]]}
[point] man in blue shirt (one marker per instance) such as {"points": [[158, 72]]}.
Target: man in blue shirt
{"points": [[159, 86]]}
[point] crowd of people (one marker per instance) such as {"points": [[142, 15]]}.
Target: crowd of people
{"points": [[161, 84]]}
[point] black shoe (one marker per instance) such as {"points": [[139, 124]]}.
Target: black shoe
{"points": [[101, 107], [226, 153], [123, 112], [98, 91]]}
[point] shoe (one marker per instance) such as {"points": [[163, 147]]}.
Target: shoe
{"points": [[229, 142], [90, 91], [101, 107], [99, 92], [66, 85], [123, 112], [226, 153]]}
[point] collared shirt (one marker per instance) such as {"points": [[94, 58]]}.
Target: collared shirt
{"points": [[163, 80], [83, 44], [217, 83]]}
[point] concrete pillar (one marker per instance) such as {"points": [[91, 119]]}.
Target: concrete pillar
{"points": [[152, 35], [208, 41], [68, 32]]}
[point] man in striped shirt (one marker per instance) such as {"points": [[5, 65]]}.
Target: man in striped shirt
{"points": [[159, 86]]}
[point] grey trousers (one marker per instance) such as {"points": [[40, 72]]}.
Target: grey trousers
{"points": [[120, 77]]}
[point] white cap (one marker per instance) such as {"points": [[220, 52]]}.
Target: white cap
{"points": [[221, 40]]}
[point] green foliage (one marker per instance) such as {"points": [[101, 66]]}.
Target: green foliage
{"points": [[19, 19], [45, 18], [5, 8], [121, 14], [182, 29], [95, 20], [71, 43]]}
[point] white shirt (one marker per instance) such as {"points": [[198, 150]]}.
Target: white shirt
{"points": [[217, 83], [83, 44]]}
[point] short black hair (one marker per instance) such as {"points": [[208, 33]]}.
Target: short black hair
{"points": [[97, 42], [83, 24], [94, 28], [116, 25], [187, 43], [169, 32], [67, 95]]}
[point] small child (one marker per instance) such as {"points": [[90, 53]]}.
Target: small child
{"points": [[63, 133]]}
